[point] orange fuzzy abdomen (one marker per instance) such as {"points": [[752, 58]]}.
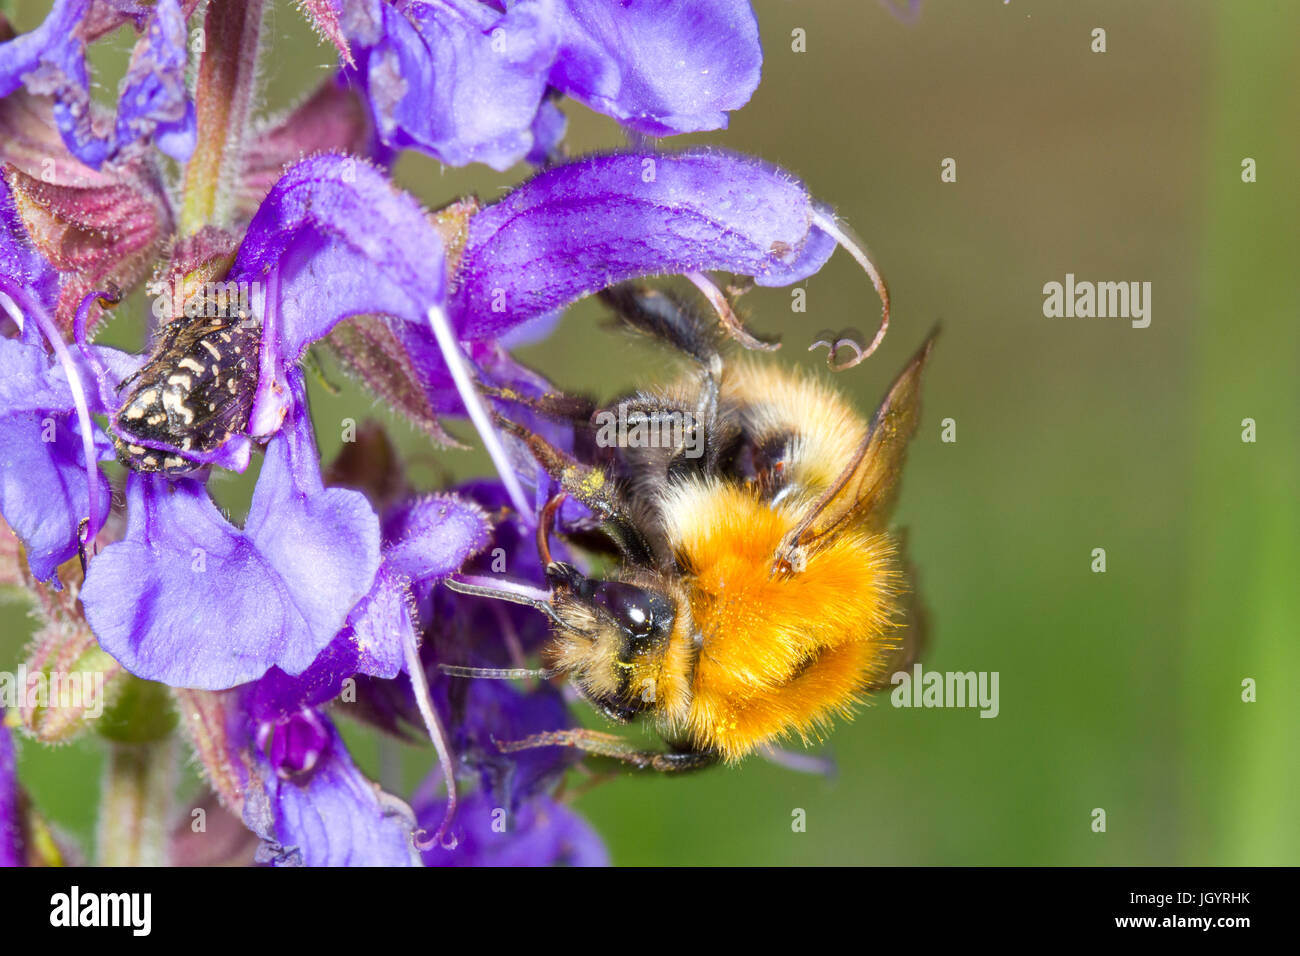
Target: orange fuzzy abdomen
{"points": [[780, 655]]}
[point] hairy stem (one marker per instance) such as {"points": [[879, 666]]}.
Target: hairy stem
{"points": [[136, 802], [223, 100]]}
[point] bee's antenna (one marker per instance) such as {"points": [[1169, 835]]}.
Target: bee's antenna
{"points": [[855, 247], [499, 673]]}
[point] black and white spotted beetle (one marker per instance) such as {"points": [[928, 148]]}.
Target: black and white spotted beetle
{"points": [[193, 394]]}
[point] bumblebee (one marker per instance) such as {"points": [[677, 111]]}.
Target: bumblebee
{"points": [[757, 592]]}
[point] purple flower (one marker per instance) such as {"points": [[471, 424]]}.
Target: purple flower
{"points": [[337, 240], [467, 82], [319, 808], [11, 831], [541, 832], [657, 66], [425, 539], [586, 225], [48, 446], [313, 807], [459, 80], [279, 764], [19, 260], [188, 599], [43, 480], [154, 101]]}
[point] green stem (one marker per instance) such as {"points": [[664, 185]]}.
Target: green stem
{"points": [[223, 101], [136, 803]]}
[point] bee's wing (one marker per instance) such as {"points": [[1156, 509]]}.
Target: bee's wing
{"points": [[865, 490], [914, 628]]}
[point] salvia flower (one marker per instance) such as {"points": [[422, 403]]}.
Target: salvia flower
{"points": [[327, 597], [466, 81], [154, 101], [11, 836]]}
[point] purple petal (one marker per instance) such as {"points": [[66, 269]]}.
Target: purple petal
{"points": [[43, 482], [660, 68], [19, 258], [189, 600], [425, 540], [434, 536], [581, 227], [330, 815], [380, 624], [277, 695], [347, 243], [11, 834], [52, 48], [461, 80], [548, 133], [154, 99], [51, 60], [485, 713], [541, 833], [43, 487]]}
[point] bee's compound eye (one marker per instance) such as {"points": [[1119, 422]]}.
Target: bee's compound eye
{"points": [[633, 608]]}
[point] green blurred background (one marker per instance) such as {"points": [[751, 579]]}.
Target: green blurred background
{"points": [[1120, 690]]}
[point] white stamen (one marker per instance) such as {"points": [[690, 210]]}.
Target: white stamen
{"points": [[432, 723], [478, 413]]}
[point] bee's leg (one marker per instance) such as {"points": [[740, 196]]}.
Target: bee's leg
{"points": [[590, 485], [608, 745], [663, 316], [557, 406], [681, 433], [593, 486]]}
